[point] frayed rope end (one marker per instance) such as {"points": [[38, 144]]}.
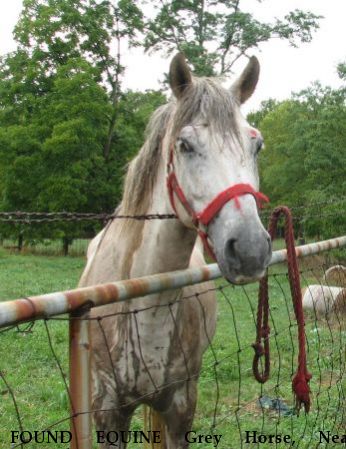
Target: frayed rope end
{"points": [[300, 386]]}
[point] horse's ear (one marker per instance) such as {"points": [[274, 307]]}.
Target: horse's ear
{"points": [[244, 87], [179, 75]]}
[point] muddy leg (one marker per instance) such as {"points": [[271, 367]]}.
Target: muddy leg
{"points": [[179, 417], [114, 423]]}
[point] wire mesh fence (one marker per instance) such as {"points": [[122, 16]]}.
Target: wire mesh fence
{"points": [[34, 367]]}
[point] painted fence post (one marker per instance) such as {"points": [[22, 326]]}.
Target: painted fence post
{"points": [[80, 381]]}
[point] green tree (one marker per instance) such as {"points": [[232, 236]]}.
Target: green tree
{"points": [[303, 163], [283, 175], [48, 158], [75, 112], [215, 34], [255, 118], [51, 32], [66, 127], [325, 157]]}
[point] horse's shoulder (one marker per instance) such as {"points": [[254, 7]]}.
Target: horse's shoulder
{"points": [[201, 298]]}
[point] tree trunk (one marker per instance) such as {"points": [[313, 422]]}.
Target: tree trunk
{"points": [[108, 144], [20, 242], [66, 242]]}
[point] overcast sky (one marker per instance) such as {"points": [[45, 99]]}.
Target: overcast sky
{"points": [[283, 69]]}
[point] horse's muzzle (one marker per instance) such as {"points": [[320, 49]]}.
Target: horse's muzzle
{"points": [[243, 250]]}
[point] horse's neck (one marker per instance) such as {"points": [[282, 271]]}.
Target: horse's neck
{"points": [[167, 244], [143, 248], [165, 247]]}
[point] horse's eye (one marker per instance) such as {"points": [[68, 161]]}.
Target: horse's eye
{"points": [[259, 145], [185, 147]]}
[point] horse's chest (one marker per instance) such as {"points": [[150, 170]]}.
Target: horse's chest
{"points": [[149, 357]]}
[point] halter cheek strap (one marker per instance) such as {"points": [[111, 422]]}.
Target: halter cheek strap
{"points": [[174, 188], [204, 217]]}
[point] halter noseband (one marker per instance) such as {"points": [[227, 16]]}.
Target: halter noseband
{"points": [[213, 208]]}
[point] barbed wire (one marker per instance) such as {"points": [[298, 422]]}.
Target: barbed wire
{"points": [[42, 217], [28, 218]]}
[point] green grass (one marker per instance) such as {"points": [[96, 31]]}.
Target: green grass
{"points": [[32, 373], [27, 361]]}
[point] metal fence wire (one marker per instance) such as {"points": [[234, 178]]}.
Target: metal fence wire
{"points": [[62, 233], [36, 395]]}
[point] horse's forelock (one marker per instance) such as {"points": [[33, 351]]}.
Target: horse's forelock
{"points": [[213, 103]]}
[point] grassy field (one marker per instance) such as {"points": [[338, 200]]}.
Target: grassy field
{"points": [[227, 388]]}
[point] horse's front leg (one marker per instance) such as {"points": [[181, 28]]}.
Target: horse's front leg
{"points": [[112, 421], [112, 427], [179, 416]]}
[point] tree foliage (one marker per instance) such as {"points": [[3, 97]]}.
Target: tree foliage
{"points": [[67, 126], [65, 133], [51, 32], [215, 34], [61, 104], [303, 162]]}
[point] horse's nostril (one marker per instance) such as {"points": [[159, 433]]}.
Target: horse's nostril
{"points": [[248, 256], [230, 249], [269, 241]]}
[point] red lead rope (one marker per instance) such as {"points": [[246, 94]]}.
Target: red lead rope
{"points": [[300, 381]]}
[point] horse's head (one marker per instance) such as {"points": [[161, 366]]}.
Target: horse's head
{"points": [[212, 169]]}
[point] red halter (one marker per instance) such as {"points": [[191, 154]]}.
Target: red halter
{"points": [[211, 210]]}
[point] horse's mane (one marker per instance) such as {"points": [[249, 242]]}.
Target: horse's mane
{"points": [[141, 174], [205, 98]]}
